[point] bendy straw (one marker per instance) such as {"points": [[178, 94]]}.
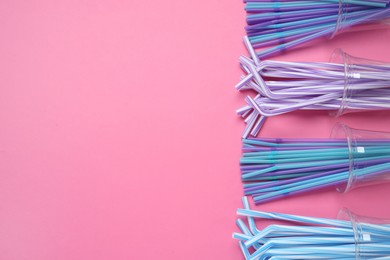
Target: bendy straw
{"points": [[303, 237], [276, 26], [346, 84], [276, 168]]}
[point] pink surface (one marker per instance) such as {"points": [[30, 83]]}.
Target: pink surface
{"points": [[118, 138]]}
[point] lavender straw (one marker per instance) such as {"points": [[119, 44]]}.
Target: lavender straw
{"points": [[284, 87]]}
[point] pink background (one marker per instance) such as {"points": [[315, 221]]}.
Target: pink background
{"points": [[118, 136]]}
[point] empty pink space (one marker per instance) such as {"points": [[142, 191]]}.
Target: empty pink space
{"points": [[118, 134]]}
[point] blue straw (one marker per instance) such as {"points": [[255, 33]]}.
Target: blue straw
{"points": [[301, 237]]}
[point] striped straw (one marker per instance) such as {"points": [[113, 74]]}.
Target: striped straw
{"points": [[311, 238], [276, 26], [284, 87], [276, 168]]}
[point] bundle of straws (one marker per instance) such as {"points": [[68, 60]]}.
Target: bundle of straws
{"points": [[288, 86], [278, 25], [277, 168], [310, 237]]}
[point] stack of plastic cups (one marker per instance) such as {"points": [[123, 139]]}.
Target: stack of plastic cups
{"points": [[372, 235], [343, 23], [364, 144], [356, 70]]}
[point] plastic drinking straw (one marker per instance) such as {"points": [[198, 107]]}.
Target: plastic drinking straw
{"points": [[282, 87], [276, 26], [276, 168], [310, 237]]}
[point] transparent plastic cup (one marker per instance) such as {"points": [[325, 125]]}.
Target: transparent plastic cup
{"points": [[356, 70], [368, 154], [345, 21], [368, 231], [341, 19]]}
